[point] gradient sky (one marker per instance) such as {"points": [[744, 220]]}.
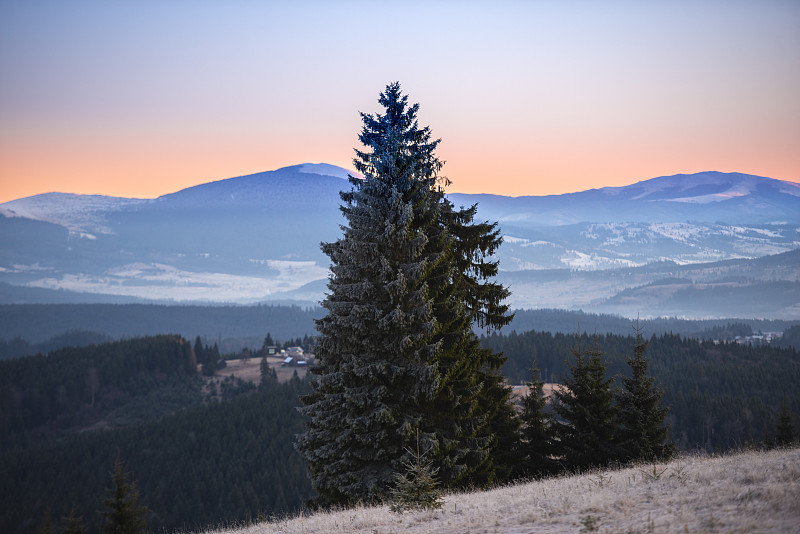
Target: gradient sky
{"points": [[142, 98]]}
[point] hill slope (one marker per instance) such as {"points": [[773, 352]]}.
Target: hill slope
{"points": [[743, 492]]}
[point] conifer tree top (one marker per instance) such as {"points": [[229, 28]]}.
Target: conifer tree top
{"points": [[396, 148]]}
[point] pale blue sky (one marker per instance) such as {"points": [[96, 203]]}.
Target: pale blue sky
{"points": [[144, 98]]}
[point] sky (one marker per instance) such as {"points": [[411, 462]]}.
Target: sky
{"points": [[143, 98]]}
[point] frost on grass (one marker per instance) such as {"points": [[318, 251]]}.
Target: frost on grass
{"points": [[743, 492]]}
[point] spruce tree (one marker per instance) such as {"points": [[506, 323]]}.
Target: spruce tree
{"points": [[73, 523], [784, 432], [396, 353], [643, 430], [268, 342], [198, 350], [416, 488], [123, 514], [587, 428], [375, 352], [538, 452]]}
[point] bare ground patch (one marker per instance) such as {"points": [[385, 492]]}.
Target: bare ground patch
{"points": [[250, 371]]}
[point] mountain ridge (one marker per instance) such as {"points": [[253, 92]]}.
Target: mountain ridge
{"points": [[256, 237], [667, 187]]}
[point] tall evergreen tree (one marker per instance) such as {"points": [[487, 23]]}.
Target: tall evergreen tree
{"points": [[538, 453], [123, 513], [643, 430], [587, 431], [396, 353], [375, 352]]}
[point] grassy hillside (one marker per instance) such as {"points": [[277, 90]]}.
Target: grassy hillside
{"points": [[742, 492]]}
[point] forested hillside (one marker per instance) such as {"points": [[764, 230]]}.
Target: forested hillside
{"points": [[43, 396], [211, 464], [571, 321], [65, 416], [199, 463], [720, 395]]}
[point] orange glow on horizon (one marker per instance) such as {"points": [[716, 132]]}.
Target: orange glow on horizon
{"points": [[529, 98], [154, 174]]}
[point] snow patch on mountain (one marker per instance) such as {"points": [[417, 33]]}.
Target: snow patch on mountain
{"points": [[526, 242], [682, 232], [80, 214], [325, 169], [790, 188], [733, 192], [575, 259]]}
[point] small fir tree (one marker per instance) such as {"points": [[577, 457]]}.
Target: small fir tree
{"points": [[73, 523], [123, 514], [415, 486], [643, 430], [784, 432], [588, 430]]}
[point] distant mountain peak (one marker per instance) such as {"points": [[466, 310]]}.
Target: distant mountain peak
{"points": [[701, 188], [326, 169]]}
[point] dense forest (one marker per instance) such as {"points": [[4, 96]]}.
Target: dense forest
{"points": [[210, 464], [721, 395], [198, 461], [44, 395]]}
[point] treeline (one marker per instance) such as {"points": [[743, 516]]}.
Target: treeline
{"points": [[39, 322], [210, 464], [568, 321], [31, 328], [720, 396], [16, 347], [44, 395]]}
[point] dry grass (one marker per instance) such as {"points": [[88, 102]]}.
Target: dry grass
{"points": [[250, 371], [742, 492]]}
